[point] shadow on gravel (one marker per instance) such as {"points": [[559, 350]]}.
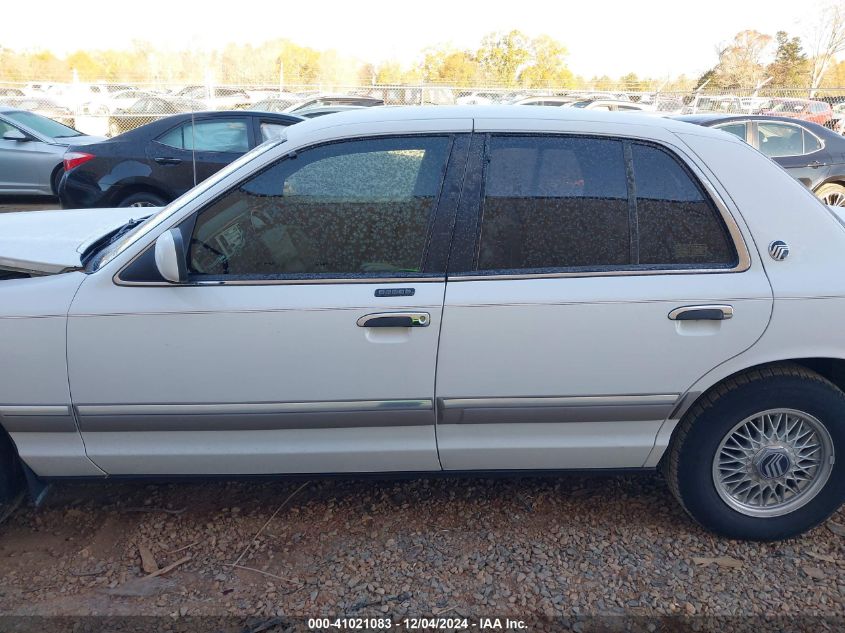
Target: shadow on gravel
{"points": [[543, 546]]}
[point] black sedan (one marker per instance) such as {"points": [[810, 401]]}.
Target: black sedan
{"points": [[157, 162], [812, 153]]}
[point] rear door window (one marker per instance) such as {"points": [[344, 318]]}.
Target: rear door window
{"points": [[780, 139], [225, 136], [737, 129], [555, 203], [677, 224]]}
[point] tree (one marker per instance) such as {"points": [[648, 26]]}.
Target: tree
{"points": [[547, 65], [502, 55], [389, 73], [790, 66], [444, 65], [826, 42], [740, 61]]}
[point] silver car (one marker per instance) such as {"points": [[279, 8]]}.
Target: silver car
{"points": [[31, 151]]}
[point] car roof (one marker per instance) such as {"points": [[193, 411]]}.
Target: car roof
{"points": [[516, 113]]}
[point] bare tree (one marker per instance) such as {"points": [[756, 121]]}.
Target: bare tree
{"points": [[826, 42]]}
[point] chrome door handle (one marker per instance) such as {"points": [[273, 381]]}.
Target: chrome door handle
{"points": [[702, 313], [395, 319]]}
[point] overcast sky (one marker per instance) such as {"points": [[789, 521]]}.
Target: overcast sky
{"points": [[611, 37]]}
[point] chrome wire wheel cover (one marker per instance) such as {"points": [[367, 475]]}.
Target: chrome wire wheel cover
{"points": [[142, 204], [773, 462], [834, 199]]}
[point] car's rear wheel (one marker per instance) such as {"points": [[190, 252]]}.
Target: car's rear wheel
{"points": [[832, 195], [143, 199], [755, 458]]}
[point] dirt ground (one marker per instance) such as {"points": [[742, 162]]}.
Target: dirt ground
{"points": [[27, 203], [569, 546]]}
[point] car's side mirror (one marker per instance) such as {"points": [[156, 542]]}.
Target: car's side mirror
{"points": [[15, 135], [170, 256]]}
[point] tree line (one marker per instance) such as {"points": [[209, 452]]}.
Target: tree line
{"points": [[507, 59]]}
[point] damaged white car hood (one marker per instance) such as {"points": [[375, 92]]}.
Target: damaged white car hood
{"points": [[49, 242]]}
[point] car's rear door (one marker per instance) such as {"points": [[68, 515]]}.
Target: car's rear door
{"points": [[593, 279], [218, 141], [306, 337], [795, 149], [192, 151]]}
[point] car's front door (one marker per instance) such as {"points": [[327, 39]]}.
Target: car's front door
{"points": [[26, 164], [593, 280], [306, 337]]}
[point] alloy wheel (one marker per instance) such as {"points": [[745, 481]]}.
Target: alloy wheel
{"points": [[773, 462]]}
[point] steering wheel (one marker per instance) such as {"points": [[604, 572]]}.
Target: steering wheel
{"points": [[223, 259]]}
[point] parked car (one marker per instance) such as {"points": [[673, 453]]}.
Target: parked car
{"points": [[44, 106], [811, 153], [113, 101], [837, 122], [310, 113], [31, 151], [755, 105], [158, 162], [547, 100], [273, 104], [480, 97], [148, 109], [611, 105], [575, 290], [713, 104], [74, 95], [334, 100], [218, 98], [804, 109]]}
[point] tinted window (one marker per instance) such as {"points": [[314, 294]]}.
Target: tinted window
{"points": [[554, 203], [811, 143], [209, 136], [780, 139], [350, 208], [565, 202], [677, 224], [271, 130], [737, 129], [43, 125]]}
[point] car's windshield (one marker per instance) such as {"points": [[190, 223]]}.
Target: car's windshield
{"points": [[125, 240], [43, 125]]}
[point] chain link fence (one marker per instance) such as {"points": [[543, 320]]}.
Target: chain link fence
{"points": [[109, 109]]}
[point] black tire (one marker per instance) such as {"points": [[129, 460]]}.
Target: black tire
{"points": [[831, 194], [56, 178], [688, 464], [11, 475], [143, 199]]}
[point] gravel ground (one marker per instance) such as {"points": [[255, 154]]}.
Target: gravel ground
{"points": [[568, 546], [27, 203]]}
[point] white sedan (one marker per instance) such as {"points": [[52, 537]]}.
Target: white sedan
{"points": [[446, 290]]}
